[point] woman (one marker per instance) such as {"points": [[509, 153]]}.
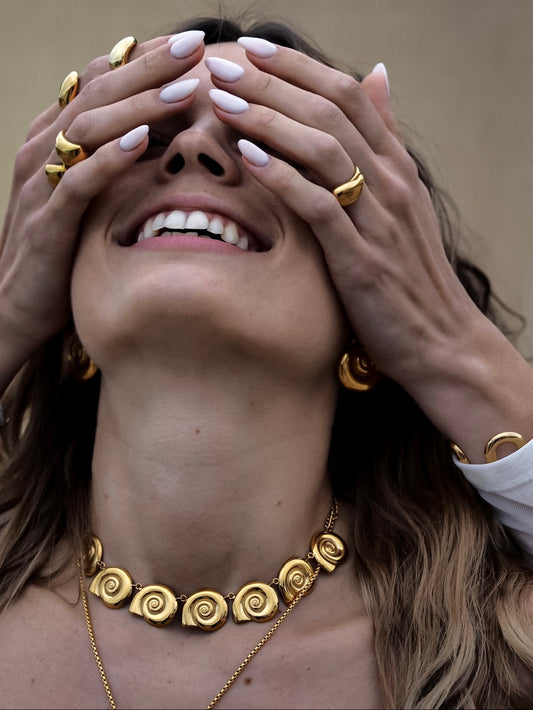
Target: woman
{"points": [[215, 292]]}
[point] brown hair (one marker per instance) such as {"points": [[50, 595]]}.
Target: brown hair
{"points": [[443, 582]]}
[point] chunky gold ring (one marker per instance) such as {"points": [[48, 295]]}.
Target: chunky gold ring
{"points": [[68, 89], [70, 153], [118, 56], [54, 173], [349, 192]]}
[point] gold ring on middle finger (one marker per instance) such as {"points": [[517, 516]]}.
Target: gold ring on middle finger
{"points": [[70, 153], [349, 192]]}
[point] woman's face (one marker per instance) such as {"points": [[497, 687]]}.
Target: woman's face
{"points": [[161, 296]]}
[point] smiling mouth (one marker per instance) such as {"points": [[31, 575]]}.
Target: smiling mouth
{"points": [[196, 223]]}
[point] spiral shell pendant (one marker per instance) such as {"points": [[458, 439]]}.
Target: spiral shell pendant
{"points": [[92, 555], [255, 601], [113, 585], [328, 549], [156, 604], [293, 577], [206, 610]]}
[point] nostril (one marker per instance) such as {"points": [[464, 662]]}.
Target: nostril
{"points": [[176, 164], [212, 165]]}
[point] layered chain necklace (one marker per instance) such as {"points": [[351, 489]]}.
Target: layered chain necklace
{"points": [[207, 609]]}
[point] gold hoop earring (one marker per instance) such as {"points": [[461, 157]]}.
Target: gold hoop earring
{"points": [[356, 371], [79, 364]]}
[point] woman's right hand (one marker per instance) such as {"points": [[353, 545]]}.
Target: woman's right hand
{"points": [[41, 229]]}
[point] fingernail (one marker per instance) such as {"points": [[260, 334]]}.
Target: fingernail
{"points": [[224, 69], [258, 46], [228, 102], [380, 68], [178, 90], [186, 43], [134, 138], [182, 35], [253, 153]]}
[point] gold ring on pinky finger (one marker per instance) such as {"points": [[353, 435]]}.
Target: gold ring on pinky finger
{"points": [[121, 51], [69, 88], [349, 192], [54, 173], [70, 153]]}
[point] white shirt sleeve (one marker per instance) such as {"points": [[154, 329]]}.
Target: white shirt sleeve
{"points": [[507, 484]]}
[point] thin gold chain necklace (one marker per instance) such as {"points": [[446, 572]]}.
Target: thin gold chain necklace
{"points": [[305, 586]]}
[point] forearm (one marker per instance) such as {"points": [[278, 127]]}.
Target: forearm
{"points": [[479, 386]]}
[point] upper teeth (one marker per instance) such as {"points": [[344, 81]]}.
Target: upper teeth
{"points": [[192, 222]]}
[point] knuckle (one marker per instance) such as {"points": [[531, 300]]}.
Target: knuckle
{"points": [[327, 148], [398, 192], [153, 61], [265, 118], [81, 126], [94, 68], [264, 83], [324, 207], [325, 112], [24, 159], [347, 86]]}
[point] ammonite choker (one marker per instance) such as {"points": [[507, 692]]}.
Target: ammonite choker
{"points": [[207, 609]]}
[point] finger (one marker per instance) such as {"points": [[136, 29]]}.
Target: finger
{"points": [[151, 68], [312, 150], [341, 89], [376, 87], [86, 179]]}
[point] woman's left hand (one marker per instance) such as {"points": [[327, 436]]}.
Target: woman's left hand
{"points": [[384, 252]]}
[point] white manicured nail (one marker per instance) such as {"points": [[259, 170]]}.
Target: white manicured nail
{"points": [[228, 102], [253, 153], [380, 68], [134, 138], [256, 45], [178, 90], [185, 45], [182, 35], [224, 69]]}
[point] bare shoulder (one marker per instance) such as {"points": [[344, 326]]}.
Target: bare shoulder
{"points": [[40, 652]]}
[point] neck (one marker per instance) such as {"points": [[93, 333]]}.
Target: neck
{"points": [[214, 481]]}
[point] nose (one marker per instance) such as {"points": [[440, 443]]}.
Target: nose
{"points": [[204, 151]]}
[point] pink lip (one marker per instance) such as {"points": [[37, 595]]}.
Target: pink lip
{"points": [[188, 241]]}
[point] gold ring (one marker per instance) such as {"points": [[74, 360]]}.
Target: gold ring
{"points": [[69, 88], [54, 173], [118, 56], [349, 192], [70, 153]]}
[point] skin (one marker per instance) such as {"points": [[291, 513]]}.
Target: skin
{"points": [[232, 356]]}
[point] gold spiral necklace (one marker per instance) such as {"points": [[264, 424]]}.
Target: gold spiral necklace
{"points": [[208, 609]]}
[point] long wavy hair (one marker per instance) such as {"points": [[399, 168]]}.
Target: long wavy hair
{"points": [[443, 582]]}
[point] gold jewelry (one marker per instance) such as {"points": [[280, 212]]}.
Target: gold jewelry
{"points": [[356, 371], [349, 192], [79, 364], [54, 173], [121, 51], [100, 665], [69, 88], [207, 609], [70, 153], [492, 445]]}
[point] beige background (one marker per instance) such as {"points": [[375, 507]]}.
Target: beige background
{"points": [[460, 72]]}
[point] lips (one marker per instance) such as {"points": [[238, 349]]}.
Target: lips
{"points": [[206, 225]]}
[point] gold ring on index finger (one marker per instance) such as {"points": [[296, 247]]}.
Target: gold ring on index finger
{"points": [[121, 51], [70, 153], [349, 192]]}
